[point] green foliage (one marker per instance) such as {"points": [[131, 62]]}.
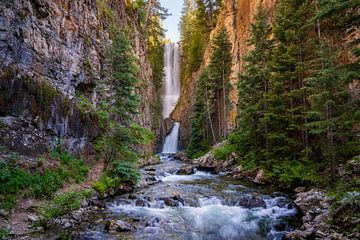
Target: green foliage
{"points": [[223, 152], [122, 173], [121, 135], [63, 203], [15, 181], [44, 93], [295, 173], [210, 109], [198, 19], [126, 172], [296, 117], [104, 184], [4, 233], [253, 85]]}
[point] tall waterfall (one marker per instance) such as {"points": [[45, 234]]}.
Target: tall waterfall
{"points": [[171, 85], [171, 93], [172, 140]]}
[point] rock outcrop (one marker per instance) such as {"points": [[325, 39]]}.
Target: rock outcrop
{"points": [[51, 51], [318, 218]]}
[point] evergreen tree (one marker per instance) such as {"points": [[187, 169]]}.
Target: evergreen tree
{"points": [[220, 69], [251, 134], [287, 104], [211, 93]]}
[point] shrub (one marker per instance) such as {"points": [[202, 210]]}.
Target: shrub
{"points": [[126, 172], [62, 204], [292, 173], [104, 184]]}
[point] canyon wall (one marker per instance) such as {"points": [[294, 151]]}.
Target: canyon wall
{"points": [[51, 51], [236, 16]]}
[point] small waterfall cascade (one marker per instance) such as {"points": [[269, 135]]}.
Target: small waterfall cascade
{"points": [[172, 140], [171, 94], [171, 83]]}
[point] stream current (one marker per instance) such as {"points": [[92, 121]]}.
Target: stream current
{"points": [[199, 206]]}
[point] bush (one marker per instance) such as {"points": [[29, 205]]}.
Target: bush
{"points": [[123, 173], [223, 152], [126, 172], [104, 184], [293, 173], [62, 204]]}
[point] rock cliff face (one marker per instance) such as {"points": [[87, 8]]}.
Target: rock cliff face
{"points": [[236, 16], [50, 51]]}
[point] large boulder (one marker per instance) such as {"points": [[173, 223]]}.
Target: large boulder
{"points": [[118, 226], [186, 170], [251, 202], [310, 199]]}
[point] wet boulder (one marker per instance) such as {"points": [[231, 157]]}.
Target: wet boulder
{"points": [[141, 202], [207, 162], [182, 156], [251, 202], [186, 170], [118, 226]]}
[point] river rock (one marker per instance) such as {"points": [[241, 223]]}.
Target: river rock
{"points": [[186, 170], [260, 177], [141, 202], [300, 189], [118, 226], [182, 156], [207, 162], [308, 200], [153, 160], [251, 202], [315, 207]]}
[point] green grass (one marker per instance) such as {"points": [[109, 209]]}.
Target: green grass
{"points": [[15, 181]]}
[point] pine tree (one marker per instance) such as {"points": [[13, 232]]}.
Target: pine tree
{"points": [[202, 114], [220, 69], [251, 134], [288, 136]]}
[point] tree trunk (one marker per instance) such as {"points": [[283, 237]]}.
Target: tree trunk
{"points": [[224, 103], [330, 140], [209, 116], [219, 113]]}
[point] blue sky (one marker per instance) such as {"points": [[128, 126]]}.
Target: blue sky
{"points": [[171, 24]]}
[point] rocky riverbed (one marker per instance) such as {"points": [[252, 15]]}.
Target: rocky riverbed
{"points": [[174, 200]]}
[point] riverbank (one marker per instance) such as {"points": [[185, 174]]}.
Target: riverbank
{"points": [[325, 214]]}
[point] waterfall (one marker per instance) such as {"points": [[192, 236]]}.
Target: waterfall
{"points": [[172, 140], [171, 93], [171, 85]]}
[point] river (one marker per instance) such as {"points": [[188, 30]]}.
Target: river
{"points": [[199, 206]]}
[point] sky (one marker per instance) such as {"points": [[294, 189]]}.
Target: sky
{"points": [[171, 24]]}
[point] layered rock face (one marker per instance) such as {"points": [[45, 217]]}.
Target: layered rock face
{"points": [[51, 51], [237, 17]]}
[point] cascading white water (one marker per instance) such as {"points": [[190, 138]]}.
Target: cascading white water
{"points": [[171, 140], [171, 93], [171, 85]]}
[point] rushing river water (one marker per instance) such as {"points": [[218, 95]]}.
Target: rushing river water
{"points": [[200, 206]]}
